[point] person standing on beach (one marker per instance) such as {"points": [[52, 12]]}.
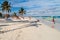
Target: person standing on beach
{"points": [[53, 20]]}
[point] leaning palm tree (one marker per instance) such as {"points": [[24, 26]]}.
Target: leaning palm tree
{"points": [[15, 16], [6, 7], [22, 11]]}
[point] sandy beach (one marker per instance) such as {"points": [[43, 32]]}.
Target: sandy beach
{"points": [[26, 31], [29, 19]]}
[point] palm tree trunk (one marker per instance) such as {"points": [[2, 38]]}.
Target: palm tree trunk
{"points": [[6, 14]]}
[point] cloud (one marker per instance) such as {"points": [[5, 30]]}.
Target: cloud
{"points": [[38, 7]]}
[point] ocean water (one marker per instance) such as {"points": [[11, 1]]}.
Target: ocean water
{"points": [[48, 21], [48, 18]]}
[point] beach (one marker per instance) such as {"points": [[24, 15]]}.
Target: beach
{"points": [[29, 31], [50, 23], [29, 19]]}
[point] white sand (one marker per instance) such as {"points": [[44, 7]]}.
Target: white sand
{"points": [[42, 32]]}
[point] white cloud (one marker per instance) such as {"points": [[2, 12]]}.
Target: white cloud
{"points": [[37, 7]]}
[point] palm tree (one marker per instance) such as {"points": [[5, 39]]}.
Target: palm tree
{"points": [[6, 7], [0, 14], [14, 14], [22, 11]]}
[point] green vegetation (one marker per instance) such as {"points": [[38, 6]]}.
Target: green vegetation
{"points": [[0, 14], [22, 11], [6, 7], [14, 14]]}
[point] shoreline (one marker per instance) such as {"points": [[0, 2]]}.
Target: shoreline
{"points": [[46, 22], [43, 32], [50, 23]]}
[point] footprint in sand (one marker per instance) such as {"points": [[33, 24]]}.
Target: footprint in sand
{"points": [[18, 35], [0, 38]]}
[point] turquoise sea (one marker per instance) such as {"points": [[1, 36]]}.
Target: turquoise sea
{"points": [[48, 21], [49, 18]]}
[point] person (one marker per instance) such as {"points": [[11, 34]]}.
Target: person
{"points": [[53, 20]]}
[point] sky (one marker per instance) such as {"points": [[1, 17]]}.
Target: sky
{"points": [[36, 7]]}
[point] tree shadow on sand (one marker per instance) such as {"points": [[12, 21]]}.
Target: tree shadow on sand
{"points": [[3, 25], [30, 25]]}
